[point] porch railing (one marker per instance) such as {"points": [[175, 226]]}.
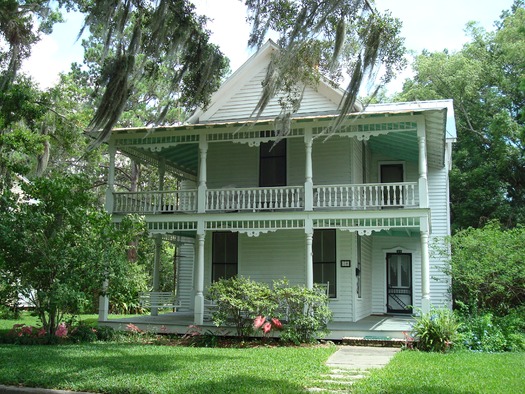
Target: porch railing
{"points": [[255, 199], [155, 202], [354, 197], [366, 196]]}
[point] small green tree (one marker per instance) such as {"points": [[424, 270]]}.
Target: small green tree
{"points": [[57, 250], [487, 268]]}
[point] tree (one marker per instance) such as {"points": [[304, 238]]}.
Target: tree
{"points": [[50, 250], [485, 79], [487, 268]]}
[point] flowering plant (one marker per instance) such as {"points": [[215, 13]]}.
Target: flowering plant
{"points": [[266, 324]]}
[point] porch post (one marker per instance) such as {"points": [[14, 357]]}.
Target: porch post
{"points": [[199, 284], [162, 172], [425, 267], [156, 269], [422, 163], [201, 193], [103, 302], [309, 254], [308, 183], [111, 177]]}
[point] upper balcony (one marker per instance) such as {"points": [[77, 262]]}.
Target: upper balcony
{"points": [[287, 198]]}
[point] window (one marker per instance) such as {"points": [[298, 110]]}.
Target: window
{"points": [[325, 259], [224, 255], [272, 164]]}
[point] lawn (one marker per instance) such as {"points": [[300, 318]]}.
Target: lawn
{"points": [[124, 368], [457, 372]]}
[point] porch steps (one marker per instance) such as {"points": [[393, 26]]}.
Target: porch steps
{"points": [[374, 341]]}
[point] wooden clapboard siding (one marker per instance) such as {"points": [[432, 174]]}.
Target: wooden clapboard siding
{"points": [[364, 304], [438, 200], [331, 161], [243, 100], [186, 255], [341, 306], [235, 165]]}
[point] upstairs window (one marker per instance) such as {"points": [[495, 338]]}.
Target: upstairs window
{"points": [[272, 164]]}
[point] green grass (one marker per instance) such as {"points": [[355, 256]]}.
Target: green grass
{"points": [[457, 372], [121, 368]]}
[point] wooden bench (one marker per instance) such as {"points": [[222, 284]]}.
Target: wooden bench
{"points": [[158, 299]]}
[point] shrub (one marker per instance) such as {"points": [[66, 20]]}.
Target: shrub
{"points": [[436, 331], [105, 333], [239, 300], [487, 268], [83, 333], [302, 313], [305, 311], [486, 333]]}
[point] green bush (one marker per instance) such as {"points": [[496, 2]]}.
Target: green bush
{"points": [[486, 333], [436, 331], [239, 300], [83, 333], [304, 312]]}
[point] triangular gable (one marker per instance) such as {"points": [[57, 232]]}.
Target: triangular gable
{"points": [[238, 96]]}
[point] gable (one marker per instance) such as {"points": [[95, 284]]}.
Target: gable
{"points": [[238, 96]]}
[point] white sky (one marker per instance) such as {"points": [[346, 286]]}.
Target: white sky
{"points": [[427, 24]]}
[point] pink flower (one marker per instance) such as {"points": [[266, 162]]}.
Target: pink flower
{"points": [[277, 323], [27, 330], [258, 322], [133, 328], [61, 331], [41, 332], [266, 327]]}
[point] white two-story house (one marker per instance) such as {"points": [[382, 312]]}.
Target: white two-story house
{"points": [[359, 210]]}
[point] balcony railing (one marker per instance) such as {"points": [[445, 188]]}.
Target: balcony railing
{"points": [[255, 199], [367, 196], [155, 202], [351, 197]]}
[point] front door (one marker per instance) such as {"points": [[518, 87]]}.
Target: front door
{"points": [[399, 282]]}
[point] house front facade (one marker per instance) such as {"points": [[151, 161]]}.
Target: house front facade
{"points": [[358, 209]]}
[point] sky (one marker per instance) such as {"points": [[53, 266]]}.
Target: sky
{"points": [[427, 24]]}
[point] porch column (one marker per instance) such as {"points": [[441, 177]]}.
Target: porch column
{"points": [[103, 302], [422, 163], [156, 269], [425, 267], [199, 284], [309, 254], [111, 177], [162, 172], [201, 193], [308, 183]]}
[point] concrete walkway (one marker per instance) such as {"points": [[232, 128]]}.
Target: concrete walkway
{"points": [[350, 363]]}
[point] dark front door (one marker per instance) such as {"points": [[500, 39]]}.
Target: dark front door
{"points": [[399, 282]]}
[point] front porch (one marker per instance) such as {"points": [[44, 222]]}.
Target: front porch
{"points": [[373, 326]]}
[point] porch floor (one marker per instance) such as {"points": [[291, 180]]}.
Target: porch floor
{"points": [[373, 326]]}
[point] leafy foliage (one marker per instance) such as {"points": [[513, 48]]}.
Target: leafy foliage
{"points": [[304, 312], [487, 268], [485, 79], [436, 330], [50, 251]]}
